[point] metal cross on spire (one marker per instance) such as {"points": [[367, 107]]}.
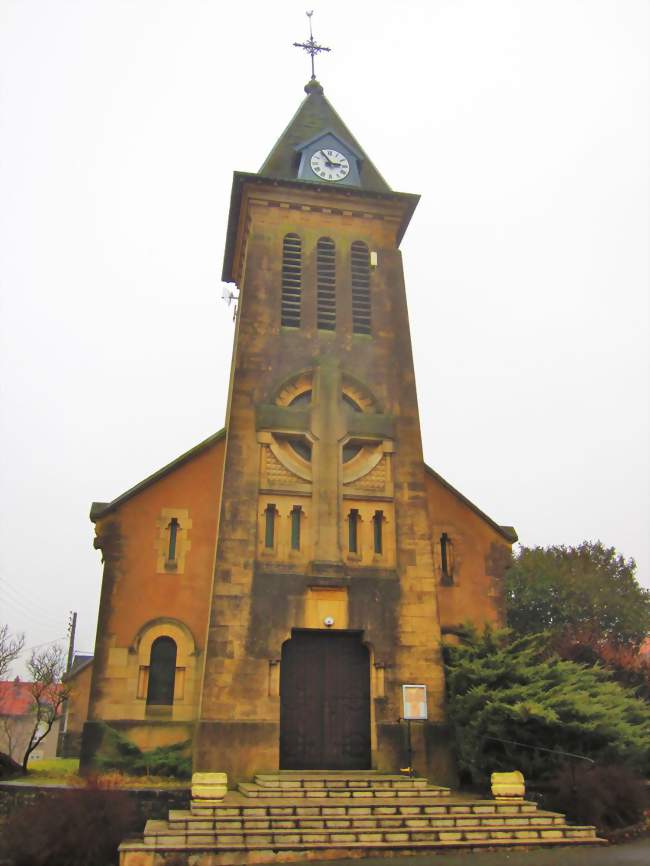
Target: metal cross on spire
{"points": [[311, 47]]}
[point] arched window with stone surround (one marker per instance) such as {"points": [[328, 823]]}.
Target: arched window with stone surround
{"points": [[176, 638], [162, 672], [291, 280]]}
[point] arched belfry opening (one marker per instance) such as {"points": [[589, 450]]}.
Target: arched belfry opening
{"points": [[324, 701]]}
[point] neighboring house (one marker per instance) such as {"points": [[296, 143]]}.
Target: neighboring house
{"points": [[17, 722], [76, 707]]}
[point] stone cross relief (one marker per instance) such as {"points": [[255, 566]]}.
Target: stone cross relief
{"points": [[328, 423]]}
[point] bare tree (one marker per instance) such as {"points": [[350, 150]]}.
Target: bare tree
{"points": [[49, 694], [8, 728], [11, 647]]}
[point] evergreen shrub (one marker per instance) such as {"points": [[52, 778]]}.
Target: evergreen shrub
{"points": [[515, 689], [118, 753]]}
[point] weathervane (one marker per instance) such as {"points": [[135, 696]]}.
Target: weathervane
{"points": [[311, 47]]}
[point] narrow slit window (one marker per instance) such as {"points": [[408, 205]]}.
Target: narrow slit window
{"points": [[269, 526], [360, 279], [291, 280], [326, 285], [296, 513], [353, 530], [173, 528], [445, 545], [377, 530], [162, 672]]}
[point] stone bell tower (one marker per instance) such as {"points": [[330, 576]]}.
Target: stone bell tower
{"points": [[324, 599]]}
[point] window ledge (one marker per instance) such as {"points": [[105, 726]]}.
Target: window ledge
{"points": [[159, 710]]}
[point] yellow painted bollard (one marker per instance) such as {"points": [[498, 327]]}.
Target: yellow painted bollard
{"points": [[209, 786], [510, 786]]}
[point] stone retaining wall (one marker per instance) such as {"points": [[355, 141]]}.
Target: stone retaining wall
{"points": [[151, 802]]}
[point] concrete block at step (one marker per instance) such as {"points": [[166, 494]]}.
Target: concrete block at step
{"points": [[209, 786], [370, 838], [137, 858], [509, 786]]}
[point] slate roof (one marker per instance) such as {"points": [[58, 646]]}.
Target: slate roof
{"points": [[314, 116], [80, 660], [80, 663]]}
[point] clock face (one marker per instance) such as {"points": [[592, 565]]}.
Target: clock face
{"points": [[330, 164]]}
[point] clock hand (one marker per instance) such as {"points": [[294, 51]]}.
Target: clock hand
{"points": [[329, 161]]}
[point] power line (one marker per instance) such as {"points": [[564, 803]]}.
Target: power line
{"points": [[32, 611], [20, 596], [34, 619], [39, 645], [26, 608]]}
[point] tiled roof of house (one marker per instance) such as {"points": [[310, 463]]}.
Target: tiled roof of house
{"points": [[15, 698]]}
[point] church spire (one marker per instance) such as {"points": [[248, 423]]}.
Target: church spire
{"points": [[317, 146], [316, 116]]}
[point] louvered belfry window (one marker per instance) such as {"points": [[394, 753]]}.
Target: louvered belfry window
{"points": [[360, 266], [291, 280], [326, 285]]}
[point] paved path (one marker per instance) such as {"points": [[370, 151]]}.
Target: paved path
{"points": [[635, 853]]}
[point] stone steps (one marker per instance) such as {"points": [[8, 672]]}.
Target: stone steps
{"points": [[158, 835], [182, 821], [252, 790], [337, 808], [321, 785], [289, 816], [343, 781]]}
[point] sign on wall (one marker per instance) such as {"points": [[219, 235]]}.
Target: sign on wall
{"points": [[414, 699]]}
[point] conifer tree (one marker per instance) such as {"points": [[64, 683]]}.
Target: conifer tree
{"points": [[515, 689]]}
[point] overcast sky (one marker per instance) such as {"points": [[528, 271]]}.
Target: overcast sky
{"points": [[523, 125]]}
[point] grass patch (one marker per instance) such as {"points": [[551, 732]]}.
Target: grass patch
{"points": [[54, 766], [53, 771], [65, 771]]}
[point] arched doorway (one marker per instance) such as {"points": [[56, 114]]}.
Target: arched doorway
{"points": [[324, 702]]}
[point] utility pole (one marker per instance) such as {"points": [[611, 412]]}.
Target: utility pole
{"points": [[72, 627]]}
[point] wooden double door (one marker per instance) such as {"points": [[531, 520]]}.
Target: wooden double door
{"points": [[324, 702]]}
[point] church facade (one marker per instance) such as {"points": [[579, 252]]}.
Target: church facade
{"points": [[268, 594]]}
